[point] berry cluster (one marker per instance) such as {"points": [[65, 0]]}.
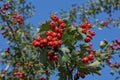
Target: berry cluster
{"points": [[20, 74], [7, 50], [115, 44], [86, 26], [90, 56], [52, 56], [18, 19], [4, 8], [53, 36]]}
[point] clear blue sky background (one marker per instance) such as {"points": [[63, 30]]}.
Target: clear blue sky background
{"points": [[43, 7]]}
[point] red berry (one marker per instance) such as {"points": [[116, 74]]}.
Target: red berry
{"points": [[89, 26], [15, 74], [49, 58], [3, 32], [49, 33], [85, 60], [84, 30], [3, 11], [91, 56], [3, 72], [90, 44], [87, 39], [56, 29], [105, 23], [21, 76], [49, 38], [42, 78], [60, 31], [59, 36], [111, 65], [54, 34], [78, 73], [54, 17], [62, 25], [52, 24], [92, 33], [60, 21], [55, 57], [50, 43], [44, 40], [7, 50], [50, 53]]}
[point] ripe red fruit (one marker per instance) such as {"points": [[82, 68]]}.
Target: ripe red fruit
{"points": [[90, 45], [49, 33], [21, 76], [3, 32], [6, 6], [59, 36], [93, 50], [42, 78], [7, 50], [54, 17], [44, 40], [111, 65], [35, 43], [92, 33], [49, 58], [87, 39], [50, 43], [78, 73], [62, 25], [91, 56], [60, 21], [84, 30], [56, 29], [85, 60], [55, 57], [3, 11], [105, 23], [89, 26], [83, 26], [54, 34], [49, 38], [60, 31], [50, 53], [3, 72], [52, 24], [15, 74]]}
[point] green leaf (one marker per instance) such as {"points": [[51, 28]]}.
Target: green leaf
{"points": [[45, 26], [97, 72], [94, 64], [65, 50], [103, 44]]}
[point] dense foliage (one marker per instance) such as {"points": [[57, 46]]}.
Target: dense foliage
{"points": [[61, 43]]}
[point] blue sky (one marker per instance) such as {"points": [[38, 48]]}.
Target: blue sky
{"points": [[43, 9]]}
